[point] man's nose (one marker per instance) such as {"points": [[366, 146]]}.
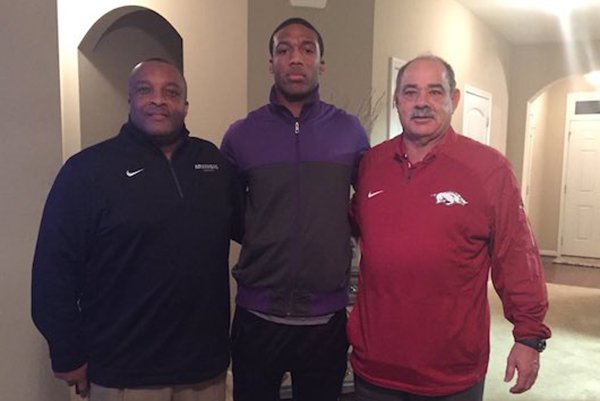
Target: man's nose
{"points": [[422, 97], [157, 97], [296, 56]]}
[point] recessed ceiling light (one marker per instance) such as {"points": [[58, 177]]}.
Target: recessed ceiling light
{"points": [[309, 3]]}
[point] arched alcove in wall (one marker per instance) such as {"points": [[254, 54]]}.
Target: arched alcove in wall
{"points": [[107, 53], [543, 162]]}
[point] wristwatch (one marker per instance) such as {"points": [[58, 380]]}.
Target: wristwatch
{"points": [[538, 344]]}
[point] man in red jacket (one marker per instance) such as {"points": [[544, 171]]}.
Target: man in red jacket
{"points": [[436, 212]]}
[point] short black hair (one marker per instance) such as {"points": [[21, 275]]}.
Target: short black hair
{"points": [[299, 21], [449, 70]]}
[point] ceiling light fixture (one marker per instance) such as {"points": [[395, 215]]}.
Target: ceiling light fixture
{"points": [[593, 78], [309, 3]]}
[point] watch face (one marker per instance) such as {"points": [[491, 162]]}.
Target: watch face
{"points": [[541, 345]]}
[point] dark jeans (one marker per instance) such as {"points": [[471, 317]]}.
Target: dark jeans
{"points": [[263, 351], [365, 391]]}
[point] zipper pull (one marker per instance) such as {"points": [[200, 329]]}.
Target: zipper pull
{"points": [[297, 128]]}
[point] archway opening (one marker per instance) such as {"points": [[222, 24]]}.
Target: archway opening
{"points": [[543, 159]]}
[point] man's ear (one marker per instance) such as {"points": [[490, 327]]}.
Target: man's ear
{"points": [[322, 66], [455, 98], [271, 65]]}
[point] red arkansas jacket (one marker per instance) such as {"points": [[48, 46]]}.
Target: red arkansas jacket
{"points": [[429, 235]]}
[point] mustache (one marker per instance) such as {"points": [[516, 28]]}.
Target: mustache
{"points": [[420, 112]]}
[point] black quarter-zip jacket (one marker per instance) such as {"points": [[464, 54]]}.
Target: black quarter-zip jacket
{"points": [[130, 272]]}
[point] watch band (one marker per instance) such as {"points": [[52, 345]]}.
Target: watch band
{"points": [[538, 344]]}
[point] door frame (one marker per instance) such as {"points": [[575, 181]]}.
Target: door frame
{"points": [[528, 146], [570, 115]]}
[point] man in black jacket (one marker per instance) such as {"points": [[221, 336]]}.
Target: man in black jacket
{"points": [[130, 275]]}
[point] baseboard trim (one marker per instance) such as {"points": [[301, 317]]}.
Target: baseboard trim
{"points": [[576, 261], [546, 252]]}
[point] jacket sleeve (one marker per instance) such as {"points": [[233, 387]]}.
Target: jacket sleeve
{"points": [[58, 269], [517, 271]]}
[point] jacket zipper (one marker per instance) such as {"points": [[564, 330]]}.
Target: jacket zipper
{"points": [[296, 219], [175, 179], [179, 191]]}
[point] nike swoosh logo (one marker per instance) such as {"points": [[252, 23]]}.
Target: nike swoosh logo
{"points": [[374, 193], [132, 173]]}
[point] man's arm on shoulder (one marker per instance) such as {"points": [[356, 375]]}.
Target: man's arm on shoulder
{"points": [[362, 147], [227, 144]]}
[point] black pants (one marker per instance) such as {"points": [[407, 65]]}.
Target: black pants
{"points": [[263, 351], [365, 391]]}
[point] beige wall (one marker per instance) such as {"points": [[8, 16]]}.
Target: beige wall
{"points": [[347, 30], [214, 36], [405, 29], [30, 153], [547, 159]]}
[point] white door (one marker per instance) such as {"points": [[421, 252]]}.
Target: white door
{"points": [[477, 110], [581, 219]]}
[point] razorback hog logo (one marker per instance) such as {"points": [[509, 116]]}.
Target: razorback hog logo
{"points": [[449, 198]]}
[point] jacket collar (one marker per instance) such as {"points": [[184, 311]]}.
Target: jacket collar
{"points": [[275, 106], [129, 130], [448, 138]]}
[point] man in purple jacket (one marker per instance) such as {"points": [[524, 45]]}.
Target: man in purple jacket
{"points": [[297, 156]]}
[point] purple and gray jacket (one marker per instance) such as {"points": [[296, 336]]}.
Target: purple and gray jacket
{"points": [[296, 254]]}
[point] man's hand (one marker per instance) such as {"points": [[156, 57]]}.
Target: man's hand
{"points": [[526, 361], [77, 378]]}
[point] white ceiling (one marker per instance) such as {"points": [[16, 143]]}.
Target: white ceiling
{"points": [[521, 24]]}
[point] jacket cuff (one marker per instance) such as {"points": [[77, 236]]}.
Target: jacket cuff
{"points": [[67, 363]]}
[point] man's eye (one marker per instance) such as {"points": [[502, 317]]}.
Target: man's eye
{"points": [[143, 90], [172, 93], [281, 49]]}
